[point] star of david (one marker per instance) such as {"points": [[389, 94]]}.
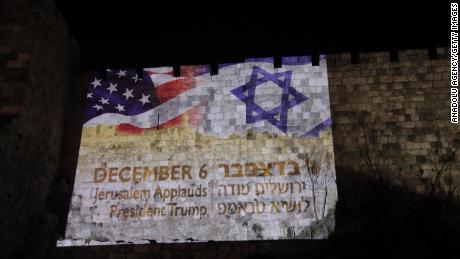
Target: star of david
{"points": [[290, 97]]}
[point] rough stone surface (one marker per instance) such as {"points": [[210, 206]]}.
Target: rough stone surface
{"points": [[394, 116], [37, 57]]}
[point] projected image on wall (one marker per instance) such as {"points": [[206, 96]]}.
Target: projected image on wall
{"points": [[243, 155]]}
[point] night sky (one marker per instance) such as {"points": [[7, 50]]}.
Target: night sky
{"points": [[111, 34]]}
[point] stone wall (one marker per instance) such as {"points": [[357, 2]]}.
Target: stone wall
{"points": [[389, 118], [392, 118], [37, 56], [398, 114]]}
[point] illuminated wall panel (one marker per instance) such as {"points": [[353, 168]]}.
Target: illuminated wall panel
{"points": [[243, 155]]}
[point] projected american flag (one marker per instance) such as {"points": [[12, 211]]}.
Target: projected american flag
{"points": [[126, 93]]}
